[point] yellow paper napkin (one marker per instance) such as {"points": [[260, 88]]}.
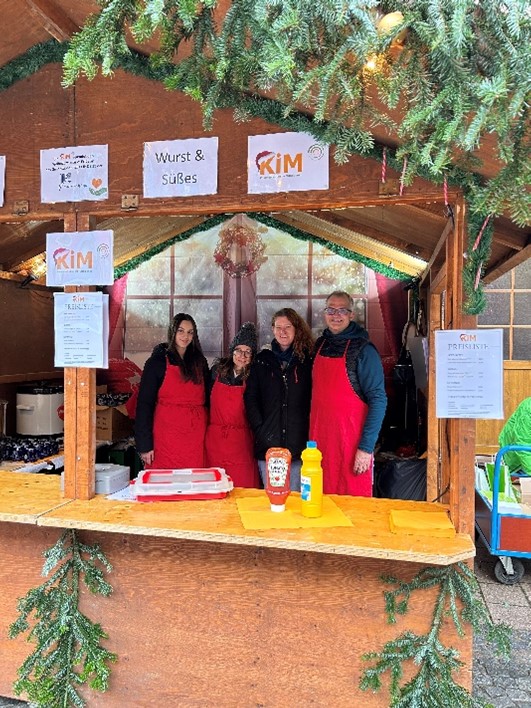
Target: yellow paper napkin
{"points": [[421, 523], [255, 514]]}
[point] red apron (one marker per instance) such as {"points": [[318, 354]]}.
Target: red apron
{"points": [[179, 423], [229, 440], [337, 418]]}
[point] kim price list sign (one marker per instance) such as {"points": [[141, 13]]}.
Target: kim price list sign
{"points": [[469, 373]]}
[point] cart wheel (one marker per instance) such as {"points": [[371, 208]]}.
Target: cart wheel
{"points": [[504, 577]]}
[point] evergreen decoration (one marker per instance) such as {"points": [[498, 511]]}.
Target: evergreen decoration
{"points": [[68, 652], [433, 685], [438, 75], [267, 220]]}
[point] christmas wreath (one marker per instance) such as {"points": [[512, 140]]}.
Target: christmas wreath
{"points": [[240, 250]]}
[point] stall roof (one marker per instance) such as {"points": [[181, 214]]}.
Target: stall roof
{"points": [[414, 230]]}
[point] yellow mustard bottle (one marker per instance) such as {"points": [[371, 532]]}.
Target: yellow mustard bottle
{"points": [[311, 481]]}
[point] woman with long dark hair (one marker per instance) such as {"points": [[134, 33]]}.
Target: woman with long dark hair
{"points": [[171, 414], [229, 440]]}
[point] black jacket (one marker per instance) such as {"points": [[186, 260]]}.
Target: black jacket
{"points": [[277, 403]]}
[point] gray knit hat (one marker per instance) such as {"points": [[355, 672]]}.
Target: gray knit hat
{"points": [[246, 336]]}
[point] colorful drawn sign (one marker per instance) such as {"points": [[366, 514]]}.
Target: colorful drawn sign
{"points": [[74, 174]]}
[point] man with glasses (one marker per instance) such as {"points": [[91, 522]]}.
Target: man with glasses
{"points": [[348, 400]]}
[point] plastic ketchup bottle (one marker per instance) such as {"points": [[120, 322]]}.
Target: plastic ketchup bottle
{"points": [[278, 465], [311, 481]]}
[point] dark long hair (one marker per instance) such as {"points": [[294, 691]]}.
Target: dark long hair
{"points": [[192, 363], [303, 342]]}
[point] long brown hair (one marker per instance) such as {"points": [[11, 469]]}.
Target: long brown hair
{"points": [[303, 342], [192, 362]]}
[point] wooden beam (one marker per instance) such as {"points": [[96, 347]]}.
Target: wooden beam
{"points": [[499, 269], [438, 284], [80, 410], [440, 243], [54, 20], [433, 465], [460, 431]]}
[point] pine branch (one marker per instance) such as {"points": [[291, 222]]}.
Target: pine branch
{"points": [[433, 686], [68, 651]]}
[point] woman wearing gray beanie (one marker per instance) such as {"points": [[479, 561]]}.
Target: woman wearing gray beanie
{"points": [[229, 441]]}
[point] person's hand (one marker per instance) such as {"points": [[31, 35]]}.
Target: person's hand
{"points": [[362, 462], [147, 457]]}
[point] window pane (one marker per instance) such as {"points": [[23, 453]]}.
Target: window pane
{"points": [[146, 324], [286, 268], [521, 344], [522, 309], [283, 275], [265, 310], [501, 283], [522, 275], [332, 272], [497, 310], [152, 277], [195, 269]]}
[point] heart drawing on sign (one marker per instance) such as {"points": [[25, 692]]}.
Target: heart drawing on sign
{"points": [[96, 182]]}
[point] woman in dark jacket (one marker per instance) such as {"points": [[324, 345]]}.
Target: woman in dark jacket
{"points": [[171, 414], [278, 393]]}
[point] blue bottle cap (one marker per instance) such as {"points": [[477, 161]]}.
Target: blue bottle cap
{"points": [[311, 443]]}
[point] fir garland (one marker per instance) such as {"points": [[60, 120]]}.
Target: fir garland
{"points": [[267, 220], [458, 69], [68, 651], [433, 685]]}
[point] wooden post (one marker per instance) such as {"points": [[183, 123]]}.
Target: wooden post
{"points": [[433, 466], [460, 431], [80, 409]]}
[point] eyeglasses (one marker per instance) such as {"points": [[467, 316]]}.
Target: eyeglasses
{"points": [[337, 310], [242, 352]]}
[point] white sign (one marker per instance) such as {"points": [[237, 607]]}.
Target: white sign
{"points": [[286, 162], [80, 258], [469, 373], [181, 168], [75, 174], [81, 324], [2, 178]]}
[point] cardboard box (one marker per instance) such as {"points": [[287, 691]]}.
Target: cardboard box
{"points": [[112, 423], [525, 488]]}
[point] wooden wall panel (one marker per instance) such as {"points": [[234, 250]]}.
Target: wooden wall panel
{"points": [[127, 111], [26, 330], [219, 625], [37, 113], [516, 387]]}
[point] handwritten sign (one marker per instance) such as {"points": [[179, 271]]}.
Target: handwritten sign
{"points": [[181, 168], [74, 174]]}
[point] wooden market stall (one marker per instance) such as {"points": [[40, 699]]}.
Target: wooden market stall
{"points": [[203, 611]]}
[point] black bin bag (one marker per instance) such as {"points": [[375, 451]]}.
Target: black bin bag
{"points": [[402, 478]]}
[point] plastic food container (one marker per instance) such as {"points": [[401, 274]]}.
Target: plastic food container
{"points": [[183, 484]]}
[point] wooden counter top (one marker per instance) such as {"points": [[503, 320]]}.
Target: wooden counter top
{"points": [[36, 499], [24, 497]]}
